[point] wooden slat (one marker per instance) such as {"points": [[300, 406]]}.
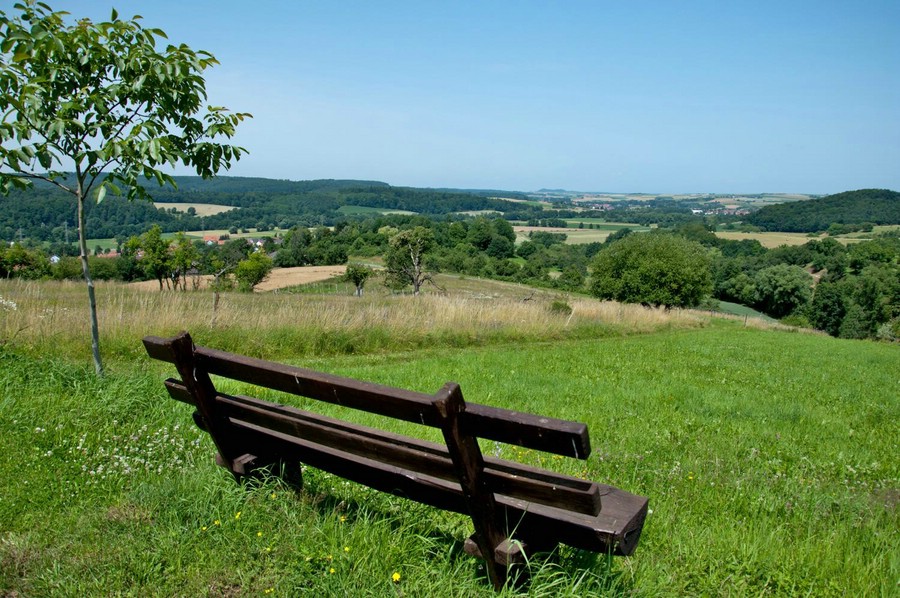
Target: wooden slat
{"points": [[159, 348], [504, 477], [373, 398], [546, 434]]}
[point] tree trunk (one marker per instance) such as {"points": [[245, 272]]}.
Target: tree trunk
{"points": [[416, 258], [85, 268]]}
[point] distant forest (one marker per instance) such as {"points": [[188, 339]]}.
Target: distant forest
{"points": [[46, 213], [851, 209]]}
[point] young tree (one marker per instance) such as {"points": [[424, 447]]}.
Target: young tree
{"points": [[185, 259], [156, 259], [358, 274], [252, 271], [102, 101]]}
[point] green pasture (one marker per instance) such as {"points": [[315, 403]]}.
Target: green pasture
{"points": [[534, 203], [736, 309], [769, 458], [601, 224], [365, 211]]}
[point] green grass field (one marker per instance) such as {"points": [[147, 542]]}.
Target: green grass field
{"points": [[364, 210], [768, 456]]}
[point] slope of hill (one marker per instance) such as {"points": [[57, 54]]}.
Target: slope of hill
{"points": [[874, 206], [766, 455]]}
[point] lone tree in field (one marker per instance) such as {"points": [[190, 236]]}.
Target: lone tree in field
{"points": [[252, 271], [358, 274], [405, 259], [100, 101], [652, 269]]}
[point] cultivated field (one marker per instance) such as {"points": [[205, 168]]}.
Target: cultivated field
{"points": [[768, 455], [278, 278], [771, 240], [202, 209], [576, 236], [768, 240]]}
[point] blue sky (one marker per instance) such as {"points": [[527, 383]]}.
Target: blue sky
{"points": [[673, 97]]}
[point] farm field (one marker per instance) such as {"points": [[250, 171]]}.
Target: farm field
{"points": [[278, 278], [768, 455], [768, 240], [774, 239], [202, 209], [575, 235]]}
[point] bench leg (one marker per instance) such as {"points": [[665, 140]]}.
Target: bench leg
{"points": [[513, 555], [249, 466]]}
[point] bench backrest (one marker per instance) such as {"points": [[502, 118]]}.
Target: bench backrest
{"points": [[546, 434], [479, 421]]}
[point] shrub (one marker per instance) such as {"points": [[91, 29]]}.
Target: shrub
{"points": [[652, 269], [252, 271], [782, 289], [560, 307]]}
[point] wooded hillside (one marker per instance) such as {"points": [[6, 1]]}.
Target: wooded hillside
{"points": [[865, 206]]}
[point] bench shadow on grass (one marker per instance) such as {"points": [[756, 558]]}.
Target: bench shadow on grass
{"points": [[564, 568]]}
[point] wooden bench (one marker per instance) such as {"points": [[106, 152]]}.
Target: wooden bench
{"points": [[516, 509]]}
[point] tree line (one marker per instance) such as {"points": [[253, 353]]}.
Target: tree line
{"points": [[46, 213], [852, 291]]}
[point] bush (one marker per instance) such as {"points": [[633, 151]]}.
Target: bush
{"points": [[782, 289], [560, 307], [652, 269], [252, 271]]}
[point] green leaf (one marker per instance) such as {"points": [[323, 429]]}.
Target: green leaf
{"points": [[101, 193], [154, 149]]}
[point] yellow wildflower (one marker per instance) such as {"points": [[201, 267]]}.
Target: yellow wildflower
{"points": [[237, 515], [395, 577]]}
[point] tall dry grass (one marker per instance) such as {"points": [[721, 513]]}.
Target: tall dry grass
{"points": [[53, 317]]}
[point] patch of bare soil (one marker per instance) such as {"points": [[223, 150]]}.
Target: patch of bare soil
{"points": [[288, 277], [278, 278]]}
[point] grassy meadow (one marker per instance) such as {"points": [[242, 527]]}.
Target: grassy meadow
{"points": [[768, 455]]}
